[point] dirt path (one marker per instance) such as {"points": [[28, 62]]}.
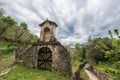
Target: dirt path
{"points": [[5, 71], [91, 75]]}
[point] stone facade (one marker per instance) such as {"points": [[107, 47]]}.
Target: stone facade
{"points": [[38, 55]]}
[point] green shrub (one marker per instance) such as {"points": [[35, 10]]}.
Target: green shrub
{"points": [[8, 50]]}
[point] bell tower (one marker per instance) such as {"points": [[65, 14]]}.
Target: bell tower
{"points": [[47, 31]]}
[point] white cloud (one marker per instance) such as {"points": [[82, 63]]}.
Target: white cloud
{"points": [[77, 20]]}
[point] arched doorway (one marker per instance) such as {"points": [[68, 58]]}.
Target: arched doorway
{"points": [[44, 58]]}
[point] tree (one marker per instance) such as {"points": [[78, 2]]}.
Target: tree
{"points": [[24, 26], [95, 49], [116, 32], [114, 53], [110, 33], [12, 33], [1, 16], [79, 48], [1, 9], [10, 21], [7, 22]]}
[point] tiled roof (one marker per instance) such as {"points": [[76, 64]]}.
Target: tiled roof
{"points": [[51, 22]]}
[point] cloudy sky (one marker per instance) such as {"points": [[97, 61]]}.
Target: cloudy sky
{"points": [[76, 19]]}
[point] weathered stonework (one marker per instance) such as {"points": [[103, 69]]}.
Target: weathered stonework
{"points": [[100, 75], [59, 62]]}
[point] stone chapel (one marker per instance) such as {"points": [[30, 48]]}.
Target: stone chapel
{"points": [[47, 53]]}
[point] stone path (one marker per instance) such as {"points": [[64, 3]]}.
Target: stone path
{"points": [[5, 71], [91, 75]]}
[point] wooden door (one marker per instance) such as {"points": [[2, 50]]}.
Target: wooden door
{"points": [[44, 58]]}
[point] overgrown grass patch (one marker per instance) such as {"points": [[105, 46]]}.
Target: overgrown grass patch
{"points": [[6, 60], [25, 73], [75, 66], [84, 75]]}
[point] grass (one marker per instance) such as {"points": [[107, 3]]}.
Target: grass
{"points": [[6, 60], [84, 75], [24, 73], [75, 66], [20, 72]]}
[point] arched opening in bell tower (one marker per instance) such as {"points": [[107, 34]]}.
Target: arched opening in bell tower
{"points": [[47, 35]]}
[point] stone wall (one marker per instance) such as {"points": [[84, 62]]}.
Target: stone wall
{"points": [[27, 56], [98, 74], [61, 62]]}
